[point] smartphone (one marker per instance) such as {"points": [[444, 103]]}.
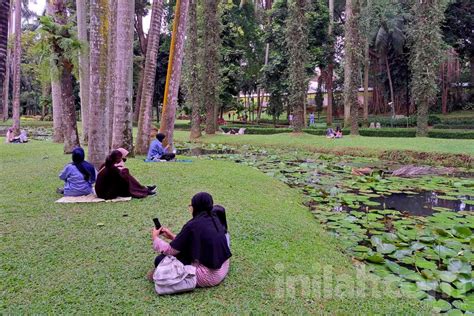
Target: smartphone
{"points": [[157, 223]]}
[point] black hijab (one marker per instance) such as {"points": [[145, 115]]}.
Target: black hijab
{"points": [[203, 237], [83, 166]]}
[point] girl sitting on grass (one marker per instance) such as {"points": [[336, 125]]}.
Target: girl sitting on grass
{"points": [[78, 176], [203, 242], [115, 180]]}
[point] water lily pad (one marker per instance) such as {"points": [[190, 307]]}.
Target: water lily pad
{"points": [[427, 285], [464, 306], [447, 276], [441, 306], [361, 248], [462, 231], [376, 258], [458, 266], [449, 290], [425, 264]]}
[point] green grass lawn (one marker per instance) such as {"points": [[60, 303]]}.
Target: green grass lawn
{"points": [[54, 258], [312, 142]]}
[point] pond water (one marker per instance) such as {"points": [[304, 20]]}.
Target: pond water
{"points": [[422, 204], [417, 232]]}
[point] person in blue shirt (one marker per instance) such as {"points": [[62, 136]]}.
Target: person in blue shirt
{"points": [[157, 152], [79, 176], [311, 119]]}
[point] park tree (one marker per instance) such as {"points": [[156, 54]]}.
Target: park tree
{"points": [[330, 66], [98, 118], [144, 120], [123, 95], [84, 71], [426, 51], [458, 29], [210, 66], [297, 43], [173, 79], [63, 46], [191, 69], [4, 32], [111, 66], [16, 68], [6, 21], [351, 85]]}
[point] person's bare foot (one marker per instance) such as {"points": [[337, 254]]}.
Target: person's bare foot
{"points": [[149, 275]]}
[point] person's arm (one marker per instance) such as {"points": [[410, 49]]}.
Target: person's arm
{"points": [[65, 173], [160, 245]]}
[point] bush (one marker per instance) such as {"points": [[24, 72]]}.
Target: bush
{"points": [[454, 126], [387, 132], [258, 130], [454, 121], [403, 122], [451, 134]]}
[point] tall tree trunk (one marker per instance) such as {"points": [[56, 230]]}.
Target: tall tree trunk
{"points": [[144, 120], [98, 120], [425, 55], [6, 81], [170, 101], [4, 32], [122, 128], [210, 70], [471, 62], [45, 94], [351, 104], [329, 82], [111, 67], [143, 45], [71, 138], [16, 69], [84, 71], [390, 84], [366, 83], [192, 56], [297, 46], [56, 96]]}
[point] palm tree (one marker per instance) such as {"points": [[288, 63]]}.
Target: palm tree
{"points": [[426, 53], [5, 9], [111, 64], [144, 120], [170, 101], [351, 104], [330, 71], [297, 43], [84, 75], [16, 69], [98, 120], [192, 55], [210, 71], [122, 127], [65, 67], [4, 31]]}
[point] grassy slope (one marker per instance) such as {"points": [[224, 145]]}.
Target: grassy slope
{"points": [[454, 146], [55, 259]]}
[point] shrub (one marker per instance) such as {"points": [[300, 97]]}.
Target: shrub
{"points": [[454, 126], [451, 134]]}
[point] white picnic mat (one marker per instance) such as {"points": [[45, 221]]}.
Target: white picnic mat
{"points": [[91, 198]]}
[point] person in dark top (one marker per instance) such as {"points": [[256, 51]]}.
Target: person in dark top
{"points": [[113, 182], [203, 241]]}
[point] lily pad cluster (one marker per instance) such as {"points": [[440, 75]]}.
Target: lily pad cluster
{"points": [[428, 257]]}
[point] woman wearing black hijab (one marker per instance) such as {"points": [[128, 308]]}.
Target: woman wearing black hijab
{"points": [[78, 176], [202, 243]]}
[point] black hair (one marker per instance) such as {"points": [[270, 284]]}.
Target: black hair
{"points": [[77, 160], [160, 137]]}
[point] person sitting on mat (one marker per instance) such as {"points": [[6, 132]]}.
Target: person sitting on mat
{"points": [[203, 242], [78, 176], [113, 182], [157, 152]]}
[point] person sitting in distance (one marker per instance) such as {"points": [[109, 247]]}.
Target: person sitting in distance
{"points": [[78, 176], [157, 152]]}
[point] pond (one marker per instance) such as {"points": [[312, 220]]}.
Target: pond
{"points": [[417, 232]]}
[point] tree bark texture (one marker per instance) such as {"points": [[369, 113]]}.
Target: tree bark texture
{"points": [[4, 32], [210, 70], [122, 127], [56, 96], [192, 56], [16, 69], [84, 71], [176, 61], [351, 104], [6, 81], [329, 79], [98, 119], [111, 67], [145, 119]]}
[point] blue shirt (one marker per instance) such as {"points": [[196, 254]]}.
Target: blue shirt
{"points": [[75, 184], [156, 150]]}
